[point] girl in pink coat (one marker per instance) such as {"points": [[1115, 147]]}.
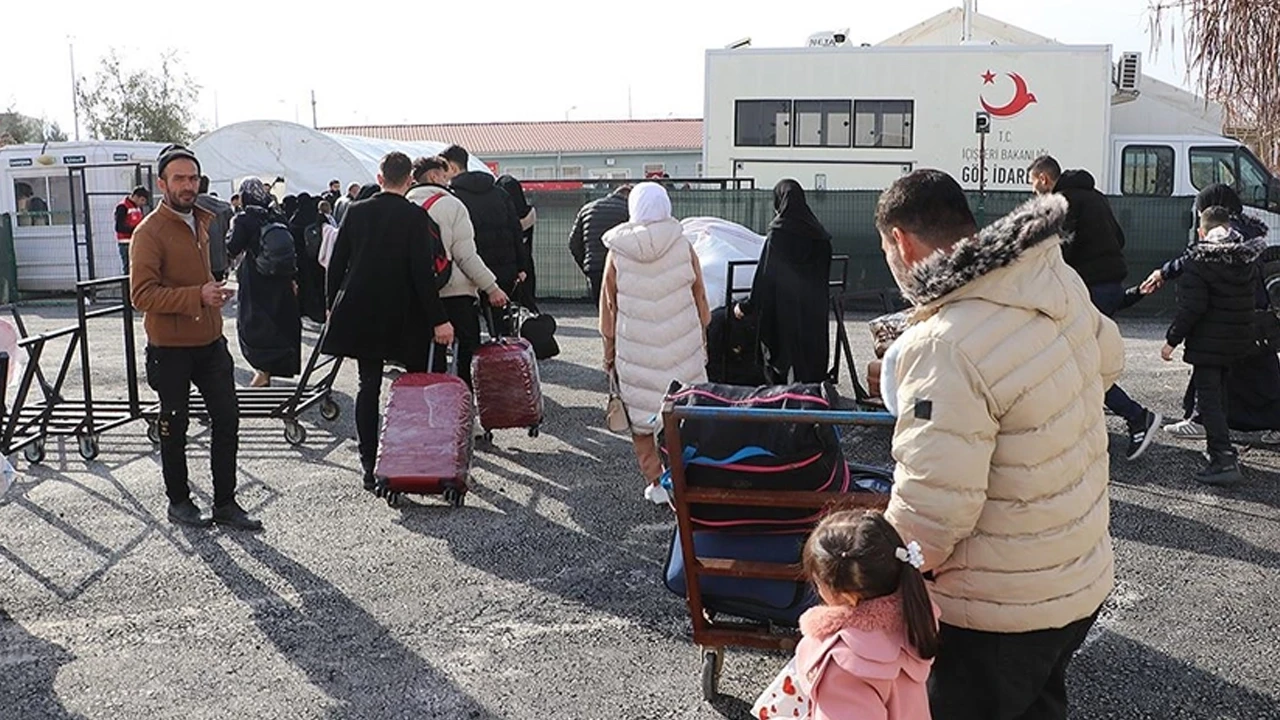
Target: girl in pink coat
{"points": [[867, 650]]}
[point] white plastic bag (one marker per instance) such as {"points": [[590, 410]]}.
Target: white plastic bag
{"points": [[717, 242], [783, 699]]}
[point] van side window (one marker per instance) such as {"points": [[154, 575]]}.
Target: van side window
{"points": [[1147, 170], [1210, 165]]}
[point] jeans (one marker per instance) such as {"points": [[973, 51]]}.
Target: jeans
{"points": [[1210, 382], [368, 399], [465, 317], [170, 372], [1004, 676], [1108, 299], [124, 256]]}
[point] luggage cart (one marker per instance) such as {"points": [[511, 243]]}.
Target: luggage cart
{"points": [[26, 426], [710, 636], [285, 402]]}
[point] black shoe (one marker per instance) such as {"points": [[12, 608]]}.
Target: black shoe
{"points": [[370, 482], [234, 516], [1142, 433], [1223, 470], [186, 513]]}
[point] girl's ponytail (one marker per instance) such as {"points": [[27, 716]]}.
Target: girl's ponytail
{"points": [[917, 610]]}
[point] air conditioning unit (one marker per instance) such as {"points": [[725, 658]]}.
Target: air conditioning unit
{"points": [[1129, 72]]}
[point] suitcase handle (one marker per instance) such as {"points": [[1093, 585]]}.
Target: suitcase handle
{"points": [[452, 367], [511, 309]]}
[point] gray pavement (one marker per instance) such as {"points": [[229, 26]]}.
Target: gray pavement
{"points": [[543, 596]]}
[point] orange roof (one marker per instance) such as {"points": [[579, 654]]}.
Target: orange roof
{"points": [[532, 138]]}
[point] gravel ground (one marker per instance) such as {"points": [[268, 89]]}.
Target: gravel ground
{"points": [[543, 596]]}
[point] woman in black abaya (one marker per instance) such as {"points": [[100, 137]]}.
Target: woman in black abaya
{"points": [[310, 274], [267, 320], [790, 293]]}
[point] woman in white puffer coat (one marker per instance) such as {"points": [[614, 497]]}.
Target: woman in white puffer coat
{"points": [[653, 317]]}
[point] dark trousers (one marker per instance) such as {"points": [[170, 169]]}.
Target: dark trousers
{"points": [[124, 257], [465, 317], [1004, 676], [171, 371], [1210, 382], [596, 280], [368, 400], [1108, 299]]}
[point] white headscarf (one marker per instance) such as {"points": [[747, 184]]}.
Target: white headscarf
{"points": [[649, 203]]}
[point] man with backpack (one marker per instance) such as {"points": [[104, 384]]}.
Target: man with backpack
{"points": [[382, 296], [461, 272]]}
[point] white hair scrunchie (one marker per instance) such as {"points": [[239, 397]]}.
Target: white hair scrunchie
{"points": [[910, 554]]}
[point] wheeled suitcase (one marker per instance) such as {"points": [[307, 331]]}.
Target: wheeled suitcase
{"points": [[504, 374], [426, 443]]}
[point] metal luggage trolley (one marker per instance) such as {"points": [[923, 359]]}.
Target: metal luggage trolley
{"points": [[711, 636], [26, 426], [285, 402]]}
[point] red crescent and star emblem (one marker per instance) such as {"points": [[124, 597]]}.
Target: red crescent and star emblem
{"points": [[1022, 98]]}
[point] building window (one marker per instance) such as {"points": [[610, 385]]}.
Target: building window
{"points": [[573, 172], [45, 200], [763, 123], [546, 172], [823, 123], [609, 174], [1147, 170], [883, 123], [518, 173]]}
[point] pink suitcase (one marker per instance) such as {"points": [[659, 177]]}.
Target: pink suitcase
{"points": [[425, 447], [504, 372]]}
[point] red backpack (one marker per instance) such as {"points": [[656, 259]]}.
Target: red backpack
{"points": [[440, 261]]}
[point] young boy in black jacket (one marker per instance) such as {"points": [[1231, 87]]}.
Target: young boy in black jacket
{"points": [[1215, 319]]}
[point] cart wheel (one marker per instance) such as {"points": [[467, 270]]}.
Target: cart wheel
{"points": [[454, 497], [712, 663], [294, 433], [330, 410], [395, 500], [34, 453], [153, 432], [488, 436], [88, 446], [535, 431]]}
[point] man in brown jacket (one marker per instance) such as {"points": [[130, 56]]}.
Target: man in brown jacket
{"points": [[1001, 443], [172, 283]]}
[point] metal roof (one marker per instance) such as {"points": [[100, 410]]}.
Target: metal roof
{"points": [[535, 138]]}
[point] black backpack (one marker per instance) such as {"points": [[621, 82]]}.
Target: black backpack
{"points": [[440, 261], [276, 254]]}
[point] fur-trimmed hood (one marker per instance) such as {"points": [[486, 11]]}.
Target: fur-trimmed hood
{"points": [[882, 614], [999, 245], [1226, 245]]}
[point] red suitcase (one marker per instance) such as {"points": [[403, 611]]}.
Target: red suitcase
{"points": [[426, 443], [504, 373]]}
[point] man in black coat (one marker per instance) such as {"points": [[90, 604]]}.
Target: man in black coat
{"points": [[586, 240], [381, 294], [499, 238], [1215, 319], [1094, 248]]}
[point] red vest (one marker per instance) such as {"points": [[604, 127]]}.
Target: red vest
{"points": [[133, 216]]}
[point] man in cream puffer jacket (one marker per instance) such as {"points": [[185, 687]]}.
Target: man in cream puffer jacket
{"points": [[469, 275], [1001, 443]]}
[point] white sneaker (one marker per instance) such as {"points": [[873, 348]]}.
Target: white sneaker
{"points": [[477, 430], [657, 495], [1186, 430]]}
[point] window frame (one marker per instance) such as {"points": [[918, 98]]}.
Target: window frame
{"points": [[564, 172], [1173, 159], [909, 126], [778, 134], [550, 170], [824, 114], [55, 216]]}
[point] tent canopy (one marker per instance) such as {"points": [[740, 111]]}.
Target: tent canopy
{"points": [[307, 159]]}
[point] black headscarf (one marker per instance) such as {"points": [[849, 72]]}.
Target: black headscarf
{"points": [[795, 231], [513, 188], [290, 205], [368, 191], [1219, 195], [308, 212]]}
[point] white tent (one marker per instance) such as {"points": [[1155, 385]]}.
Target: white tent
{"points": [[307, 159]]}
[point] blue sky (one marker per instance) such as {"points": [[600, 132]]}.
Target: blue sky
{"points": [[483, 61]]}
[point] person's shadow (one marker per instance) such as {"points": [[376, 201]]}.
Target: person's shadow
{"points": [[28, 667], [340, 647]]}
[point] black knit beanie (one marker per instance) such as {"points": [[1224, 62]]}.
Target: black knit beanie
{"points": [[175, 152]]}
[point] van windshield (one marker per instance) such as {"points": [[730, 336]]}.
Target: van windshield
{"points": [[1235, 166]]}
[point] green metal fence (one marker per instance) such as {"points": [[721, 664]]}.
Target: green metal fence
{"points": [[8, 262], [1155, 228]]}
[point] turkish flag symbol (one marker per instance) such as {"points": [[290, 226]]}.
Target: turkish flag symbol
{"points": [[1022, 98]]}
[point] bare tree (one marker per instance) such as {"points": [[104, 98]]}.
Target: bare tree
{"points": [[1233, 53], [150, 105]]}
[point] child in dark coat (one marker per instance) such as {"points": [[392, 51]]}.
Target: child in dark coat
{"points": [[1215, 318]]}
